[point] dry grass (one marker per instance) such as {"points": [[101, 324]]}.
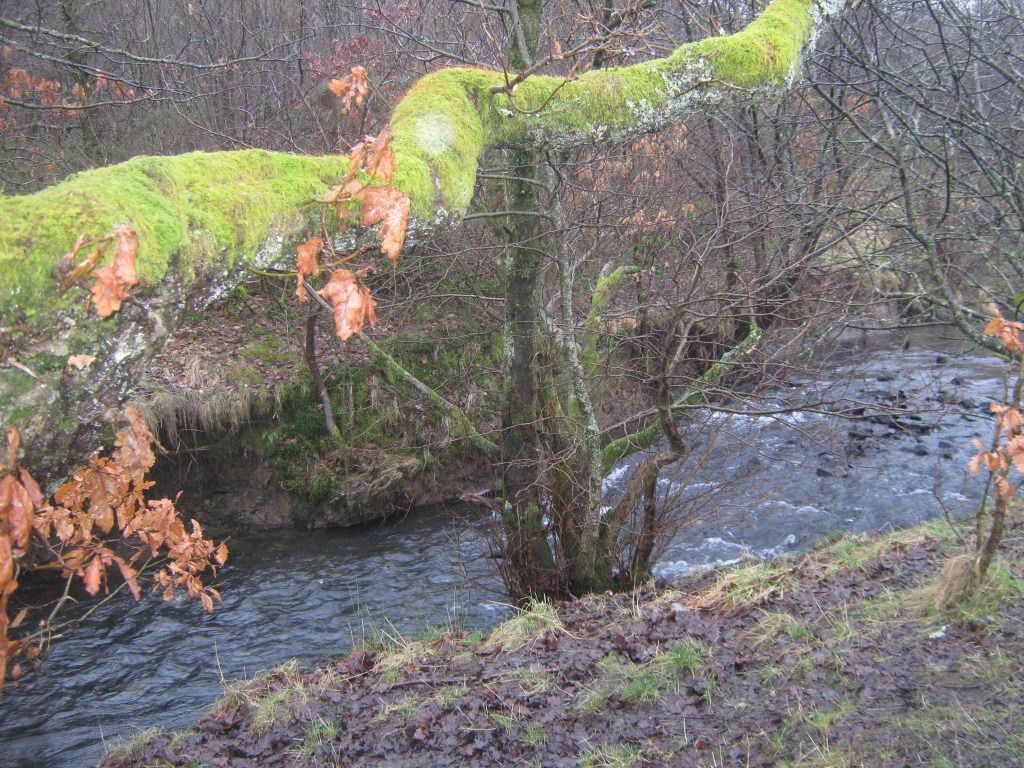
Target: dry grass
{"points": [[529, 624], [402, 654], [954, 582], [774, 625], [746, 586]]}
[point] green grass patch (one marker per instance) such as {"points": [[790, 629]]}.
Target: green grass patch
{"points": [[318, 733], [132, 747], [449, 694], [688, 657], [853, 552], [278, 706], [535, 735], [637, 685], [747, 585]]}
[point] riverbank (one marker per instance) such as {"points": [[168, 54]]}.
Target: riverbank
{"points": [[234, 401], [838, 658]]}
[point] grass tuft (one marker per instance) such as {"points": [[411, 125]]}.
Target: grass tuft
{"points": [[529, 624], [277, 706], [746, 586], [132, 747], [611, 756]]}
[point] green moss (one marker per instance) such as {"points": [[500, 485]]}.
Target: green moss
{"points": [[448, 118], [44, 362], [17, 398], [14, 383], [439, 136], [268, 348], [212, 209], [203, 209], [241, 375], [767, 50]]}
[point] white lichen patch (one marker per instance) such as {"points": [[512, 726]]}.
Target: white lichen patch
{"points": [[434, 132]]}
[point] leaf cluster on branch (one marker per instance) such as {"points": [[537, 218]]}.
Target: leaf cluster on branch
{"points": [[1005, 453], [96, 522], [383, 204]]}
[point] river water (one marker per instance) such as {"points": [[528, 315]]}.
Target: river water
{"points": [[769, 484]]}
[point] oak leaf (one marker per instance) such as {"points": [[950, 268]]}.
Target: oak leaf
{"points": [[1009, 418], [352, 87], [308, 264], [1015, 450], [392, 231], [13, 443], [31, 487], [352, 303], [16, 621], [1008, 331], [380, 161], [356, 159], [389, 207], [6, 573], [17, 510], [92, 576], [113, 281]]}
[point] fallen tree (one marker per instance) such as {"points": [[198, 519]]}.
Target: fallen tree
{"points": [[203, 219]]}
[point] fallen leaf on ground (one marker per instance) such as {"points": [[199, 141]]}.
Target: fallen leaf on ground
{"points": [[81, 361]]}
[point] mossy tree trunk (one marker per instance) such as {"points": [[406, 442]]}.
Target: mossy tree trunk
{"points": [[530, 567]]}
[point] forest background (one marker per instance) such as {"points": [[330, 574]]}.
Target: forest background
{"points": [[596, 290]]}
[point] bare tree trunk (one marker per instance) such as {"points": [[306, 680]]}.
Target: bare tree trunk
{"points": [[309, 352]]}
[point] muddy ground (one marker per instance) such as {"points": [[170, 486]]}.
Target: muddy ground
{"points": [[839, 658]]}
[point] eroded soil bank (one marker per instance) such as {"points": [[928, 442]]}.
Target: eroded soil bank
{"points": [[838, 658], [237, 409]]}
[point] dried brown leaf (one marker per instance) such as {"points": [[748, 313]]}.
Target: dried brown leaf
{"points": [[81, 361], [352, 87], [308, 264], [113, 281], [389, 207], [392, 231], [92, 576], [6, 571], [125, 255], [16, 622], [13, 443], [352, 303], [380, 161], [130, 576], [35, 493], [17, 509]]}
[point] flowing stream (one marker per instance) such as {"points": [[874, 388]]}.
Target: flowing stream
{"points": [[774, 482]]}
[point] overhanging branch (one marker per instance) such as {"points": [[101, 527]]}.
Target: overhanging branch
{"points": [[202, 218]]}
